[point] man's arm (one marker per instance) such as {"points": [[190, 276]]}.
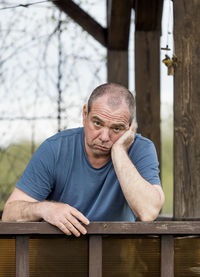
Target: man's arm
{"points": [[144, 199], [21, 207]]}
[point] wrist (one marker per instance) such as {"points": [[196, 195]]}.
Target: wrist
{"points": [[40, 209], [117, 152], [118, 147]]}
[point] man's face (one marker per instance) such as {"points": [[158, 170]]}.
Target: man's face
{"points": [[107, 121]]}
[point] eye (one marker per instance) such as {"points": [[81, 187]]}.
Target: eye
{"points": [[97, 123], [116, 129]]}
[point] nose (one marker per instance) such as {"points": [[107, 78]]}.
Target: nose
{"points": [[104, 135]]}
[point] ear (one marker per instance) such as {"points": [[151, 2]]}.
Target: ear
{"points": [[85, 113]]}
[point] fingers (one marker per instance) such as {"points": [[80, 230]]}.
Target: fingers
{"points": [[68, 219], [70, 224], [80, 216]]}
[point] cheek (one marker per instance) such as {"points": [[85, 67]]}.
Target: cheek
{"points": [[114, 137], [91, 135]]}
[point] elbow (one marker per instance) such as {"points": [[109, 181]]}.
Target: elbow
{"points": [[148, 217], [150, 214], [4, 217], [151, 211]]}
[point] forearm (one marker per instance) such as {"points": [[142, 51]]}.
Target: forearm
{"points": [[19, 211], [21, 207], [143, 198]]}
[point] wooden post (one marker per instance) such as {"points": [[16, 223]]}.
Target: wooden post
{"points": [[147, 68], [167, 256], [187, 109], [147, 80], [117, 67], [118, 18], [22, 256], [95, 256]]}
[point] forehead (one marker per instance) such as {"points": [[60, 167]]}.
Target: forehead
{"points": [[112, 108]]}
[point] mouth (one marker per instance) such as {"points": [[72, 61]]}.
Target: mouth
{"points": [[102, 148]]}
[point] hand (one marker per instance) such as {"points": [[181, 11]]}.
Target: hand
{"points": [[126, 139], [65, 217]]}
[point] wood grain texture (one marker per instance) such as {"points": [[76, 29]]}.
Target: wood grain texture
{"points": [[95, 256], [118, 18], [148, 15], [22, 256], [147, 80], [187, 109], [118, 21], [167, 256], [117, 67], [148, 228]]}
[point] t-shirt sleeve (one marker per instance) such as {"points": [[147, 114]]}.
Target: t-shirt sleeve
{"points": [[37, 179], [145, 159]]}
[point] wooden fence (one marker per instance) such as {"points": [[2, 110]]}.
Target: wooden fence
{"points": [[166, 231]]}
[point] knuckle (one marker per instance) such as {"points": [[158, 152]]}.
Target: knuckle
{"points": [[74, 210]]}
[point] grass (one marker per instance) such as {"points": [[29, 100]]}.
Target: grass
{"points": [[13, 161]]}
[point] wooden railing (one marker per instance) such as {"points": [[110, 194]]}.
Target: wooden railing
{"points": [[95, 231]]}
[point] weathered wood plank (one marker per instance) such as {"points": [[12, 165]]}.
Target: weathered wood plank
{"points": [[187, 109], [95, 256], [167, 256], [147, 83], [83, 19], [118, 18], [22, 256], [117, 67], [151, 228], [148, 15]]}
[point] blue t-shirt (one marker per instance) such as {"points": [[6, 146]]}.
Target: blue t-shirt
{"points": [[60, 171]]}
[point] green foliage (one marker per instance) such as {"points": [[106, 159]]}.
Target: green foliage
{"points": [[13, 161]]}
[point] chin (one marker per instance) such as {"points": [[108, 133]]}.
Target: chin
{"points": [[99, 152]]}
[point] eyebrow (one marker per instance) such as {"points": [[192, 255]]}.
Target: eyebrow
{"points": [[118, 125], [97, 118], [114, 125]]}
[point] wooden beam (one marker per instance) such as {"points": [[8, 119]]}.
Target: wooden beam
{"points": [[83, 19], [118, 18], [95, 256], [117, 66], [22, 256], [136, 228], [147, 69], [147, 84], [167, 256], [187, 109], [148, 15]]}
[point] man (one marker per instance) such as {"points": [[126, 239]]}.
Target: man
{"points": [[102, 172]]}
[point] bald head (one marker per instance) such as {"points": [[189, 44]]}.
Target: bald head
{"points": [[116, 95]]}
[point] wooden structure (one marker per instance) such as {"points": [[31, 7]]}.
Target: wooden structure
{"points": [[187, 110], [164, 234], [186, 122]]}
